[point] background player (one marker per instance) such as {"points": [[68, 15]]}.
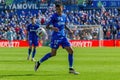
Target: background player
{"points": [[10, 35], [32, 38], [58, 20]]}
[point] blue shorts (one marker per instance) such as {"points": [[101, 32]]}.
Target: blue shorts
{"points": [[56, 42], [33, 41]]}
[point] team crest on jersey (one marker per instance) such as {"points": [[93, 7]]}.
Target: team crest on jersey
{"points": [[60, 18]]}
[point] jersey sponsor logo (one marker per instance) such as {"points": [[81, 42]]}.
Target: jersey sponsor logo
{"points": [[32, 30], [61, 21], [6, 44], [82, 43], [60, 18]]}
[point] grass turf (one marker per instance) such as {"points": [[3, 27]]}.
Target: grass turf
{"points": [[92, 63]]}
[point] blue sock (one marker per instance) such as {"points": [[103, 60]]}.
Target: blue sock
{"points": [[34, 52], [47, 56], [29, 51], [70, 59]]}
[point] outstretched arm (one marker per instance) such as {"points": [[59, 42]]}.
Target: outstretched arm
{"points": [[52, 28], [67, 28]]}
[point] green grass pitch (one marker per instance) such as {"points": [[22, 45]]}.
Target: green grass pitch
{"points": [[92, 63]]}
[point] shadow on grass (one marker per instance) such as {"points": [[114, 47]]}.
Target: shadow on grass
{"points": [[13, 60], [27, 75], [14, 75]]}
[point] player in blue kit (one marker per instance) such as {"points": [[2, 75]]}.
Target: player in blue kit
{"points": [[58, 20], [32, 38]]}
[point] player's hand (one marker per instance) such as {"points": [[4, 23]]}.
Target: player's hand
{"points": [[55, 29], [71, 32]]}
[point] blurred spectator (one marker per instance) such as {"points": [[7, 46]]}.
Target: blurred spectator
{"points": [[2, 1], [108, 34], [118, 34], [19, 19], [89, 36], [10, 35]]}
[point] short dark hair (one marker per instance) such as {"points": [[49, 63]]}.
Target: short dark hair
{"points": [[58, 5]]}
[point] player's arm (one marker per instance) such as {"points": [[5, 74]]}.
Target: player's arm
{"points": [[70, 31], [27, 32], [67, 28], [48, 26], [26, 35], [50, 22], [52, 28]]}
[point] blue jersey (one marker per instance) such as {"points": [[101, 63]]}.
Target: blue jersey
{"points": [[58, 21], [59, 38], [32, 35]]}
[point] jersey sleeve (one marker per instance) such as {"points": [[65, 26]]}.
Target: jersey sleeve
{"points": [[50, 20], [66, 20], [27, 27]]}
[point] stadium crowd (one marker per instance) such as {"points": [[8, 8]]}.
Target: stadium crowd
{"points": [[109, 20]]}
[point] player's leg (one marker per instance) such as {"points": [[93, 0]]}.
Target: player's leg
{"points": [[10, 43], [29, 52], [70, 59], [66, 45], [44, 58], [33, 53], [70, 56], [54, 46], [48, 55], [29, 49], [35, 43]]}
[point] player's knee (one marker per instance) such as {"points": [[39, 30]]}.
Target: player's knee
{"points": [[53, 54], [71, 51], [34, 47], [30, 47]]}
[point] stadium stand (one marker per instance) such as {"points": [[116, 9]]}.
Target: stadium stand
{"points": [[18, 20]]}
